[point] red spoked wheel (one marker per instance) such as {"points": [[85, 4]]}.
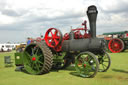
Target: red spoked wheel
{"points": [[53, 37], [116, 45]]}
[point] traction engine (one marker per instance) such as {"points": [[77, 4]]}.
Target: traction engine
{"points": [[116, 41], [86, 51]]}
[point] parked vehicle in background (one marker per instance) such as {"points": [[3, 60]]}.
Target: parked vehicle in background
{"points": [[5, 47], [14, 46], [20, 47], [117, 41]]}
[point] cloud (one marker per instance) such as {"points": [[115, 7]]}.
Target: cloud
{"points": [[32, 18], [115, 6], [112, 16], [10, 13]]}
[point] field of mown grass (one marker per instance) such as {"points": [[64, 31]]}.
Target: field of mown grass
{"points": [[116, 75]]}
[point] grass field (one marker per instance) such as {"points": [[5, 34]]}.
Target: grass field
{"points": [[116, 75]]}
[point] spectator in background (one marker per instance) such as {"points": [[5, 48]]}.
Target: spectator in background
{"points": [[28, 41]]}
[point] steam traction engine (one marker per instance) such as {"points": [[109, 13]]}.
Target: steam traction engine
{"points": [[55, 51], [117, 41]]}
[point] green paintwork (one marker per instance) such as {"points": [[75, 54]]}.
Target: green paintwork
{"points": [[33, 60], [85, 65], [125, 40], [58, 58], [19, 58], [33, 67], [104, 62], [114, 33]]}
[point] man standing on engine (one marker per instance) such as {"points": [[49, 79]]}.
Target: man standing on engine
{"points": [[28, 41]]}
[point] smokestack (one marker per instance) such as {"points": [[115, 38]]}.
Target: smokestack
{"points": [[92, 15]]}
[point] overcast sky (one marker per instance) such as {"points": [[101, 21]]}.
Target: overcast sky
{"points": [[20, 19]]}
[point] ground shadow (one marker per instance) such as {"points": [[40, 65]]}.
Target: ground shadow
{"points": [[54, 70], [8, 66], [22, 69], [120, 70], [70, 68], [78, 75], [75, 74]]}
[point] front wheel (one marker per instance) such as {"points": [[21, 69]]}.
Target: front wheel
{"points": [[104, 62], [86, 64]]}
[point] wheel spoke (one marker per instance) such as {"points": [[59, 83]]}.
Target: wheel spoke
{"points": [[32, 65], [40, 62], [57, 37], [37, 67], [52, 33], [89, 59], [49, 38], [32, 49], [56, 42], [81, 59], [37, 51], [28, 67], [55, 32], [40, 56], [28, 56], [51, 42], [103, 66]]}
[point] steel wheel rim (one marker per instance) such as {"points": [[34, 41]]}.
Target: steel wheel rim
{"points": [[88, 67], [33, 59]]}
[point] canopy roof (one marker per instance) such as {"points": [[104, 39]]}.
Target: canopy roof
{"points": [[114, 33]]}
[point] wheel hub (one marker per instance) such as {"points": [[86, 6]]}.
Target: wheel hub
{"points": [[33, 58], [115, 45], [84, 65]]}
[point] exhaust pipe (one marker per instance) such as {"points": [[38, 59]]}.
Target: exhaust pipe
{"points": [[92, 16]]}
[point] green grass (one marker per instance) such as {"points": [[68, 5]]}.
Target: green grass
{"points": [[116, 75]]}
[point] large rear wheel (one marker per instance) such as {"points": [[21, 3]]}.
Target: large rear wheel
{"points": [[37, 58]]}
